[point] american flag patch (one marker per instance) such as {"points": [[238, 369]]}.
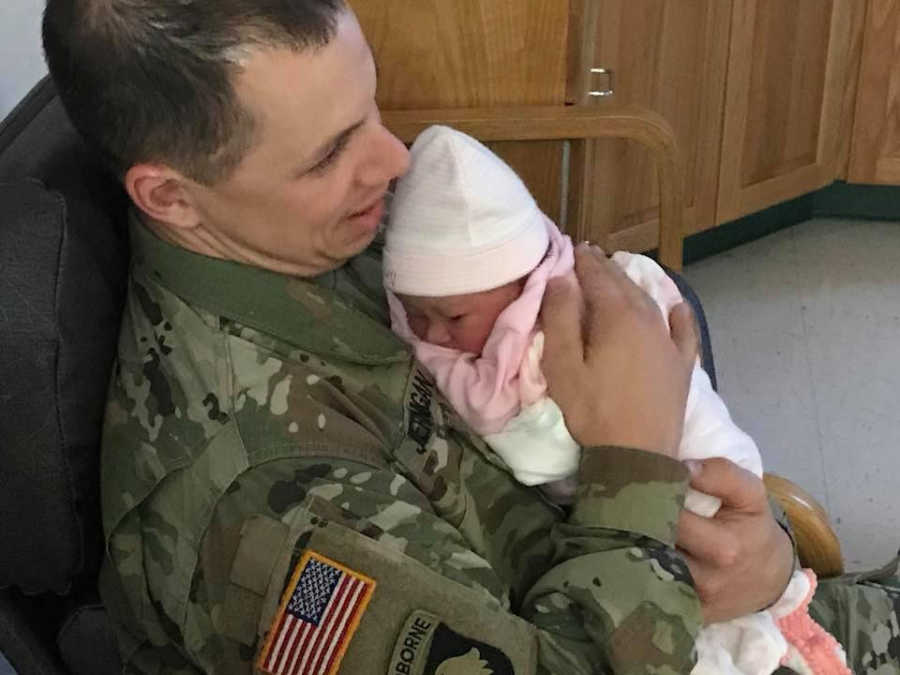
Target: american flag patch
{"points": [[321, 609]]}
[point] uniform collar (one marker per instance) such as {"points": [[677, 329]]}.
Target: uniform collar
{"points": [[339, 314]]}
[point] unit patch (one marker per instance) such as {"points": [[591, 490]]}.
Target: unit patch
{"points": [[428, 646], [320, 610]]}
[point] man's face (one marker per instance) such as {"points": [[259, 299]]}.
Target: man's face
{"points": [[309, 193], [462, 322]]}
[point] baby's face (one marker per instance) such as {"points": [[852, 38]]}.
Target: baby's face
{"points": [[461, 322]]}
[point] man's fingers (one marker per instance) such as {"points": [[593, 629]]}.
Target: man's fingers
{"points": [[599, 275], [608, 288], [684, 331], [703, 539], [736, 487], [561, 317]]}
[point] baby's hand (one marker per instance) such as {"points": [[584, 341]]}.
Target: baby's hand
{"points": [[619, 376]]}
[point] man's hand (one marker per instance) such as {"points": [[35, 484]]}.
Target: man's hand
{"points": [[617, 372], [741, 559]]}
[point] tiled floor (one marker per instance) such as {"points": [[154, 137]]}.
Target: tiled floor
{"points": [[805, 327]]}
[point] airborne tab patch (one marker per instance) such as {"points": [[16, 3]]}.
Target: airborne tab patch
{"points": [[319, 613], [428, 646]]}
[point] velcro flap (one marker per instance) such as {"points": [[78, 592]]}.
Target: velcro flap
{"points": [[262, 540]]}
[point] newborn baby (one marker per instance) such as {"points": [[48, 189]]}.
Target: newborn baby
{"points": [[467, 258]]}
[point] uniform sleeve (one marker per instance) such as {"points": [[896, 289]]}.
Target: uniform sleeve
{"points": [[612, 595], [618, 597], [371, 522]]}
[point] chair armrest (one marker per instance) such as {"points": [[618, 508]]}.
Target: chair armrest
{"points": [[533, 123], [817, 544]]}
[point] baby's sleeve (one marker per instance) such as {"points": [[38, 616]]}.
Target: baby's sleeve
{"points": [[536, 444], [709, 430]]}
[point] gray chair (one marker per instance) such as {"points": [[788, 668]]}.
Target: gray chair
{"points": [[63, 261]]}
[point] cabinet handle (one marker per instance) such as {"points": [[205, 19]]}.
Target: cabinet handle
{"points": [[594, 81]]}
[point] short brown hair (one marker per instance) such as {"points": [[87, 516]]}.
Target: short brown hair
{"points": [[152, 80]]}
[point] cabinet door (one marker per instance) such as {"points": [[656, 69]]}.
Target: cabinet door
{"points": [[875, 153], [788, 70], [468, 53], [670, 56]]}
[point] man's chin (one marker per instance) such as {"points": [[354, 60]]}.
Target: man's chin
{"points": [[349, 251], [360, 243]]}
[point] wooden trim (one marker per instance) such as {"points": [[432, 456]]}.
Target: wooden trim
{"points": [[701, 214], [874, 146], [840, 61], [641, 237], [817, 545], [887, 169], [532, 123], [737, 96], [580, 198], [773, 191], [869, 115], [583, 17], [858, 20]]}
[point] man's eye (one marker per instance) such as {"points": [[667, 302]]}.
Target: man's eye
{"points": [[326, 161], [457, 317]]}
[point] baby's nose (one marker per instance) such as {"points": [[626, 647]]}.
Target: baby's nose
{"points": [[437, 333]]}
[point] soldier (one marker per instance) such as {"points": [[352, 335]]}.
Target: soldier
{"points": [[283, 489]]}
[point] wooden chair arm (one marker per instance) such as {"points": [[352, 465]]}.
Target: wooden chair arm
{"points": [[817, 544], [533, 123]]}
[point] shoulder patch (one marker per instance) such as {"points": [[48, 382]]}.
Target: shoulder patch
{"points": [[320, 611], [428, 646]]}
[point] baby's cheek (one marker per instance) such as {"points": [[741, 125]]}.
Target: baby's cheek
{"points": [[472, 338], [419, 326]]}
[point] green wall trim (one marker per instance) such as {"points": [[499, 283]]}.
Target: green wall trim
{"points": [[838, 200], [736, 232], [842, 200]]}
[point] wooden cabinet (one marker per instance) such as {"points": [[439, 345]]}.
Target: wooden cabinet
{"points": [[760, 95], [789, 68], [670, 57], [875, 154]]}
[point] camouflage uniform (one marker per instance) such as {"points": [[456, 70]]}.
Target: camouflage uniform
{"points": [[254, 416]]}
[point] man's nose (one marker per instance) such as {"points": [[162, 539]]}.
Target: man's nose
{"points": [[389, 158]]}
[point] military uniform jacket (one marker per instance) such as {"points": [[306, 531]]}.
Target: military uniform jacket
{"points": [[266, 435]]}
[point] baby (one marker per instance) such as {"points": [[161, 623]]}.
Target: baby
{"points": [[467, 257]]}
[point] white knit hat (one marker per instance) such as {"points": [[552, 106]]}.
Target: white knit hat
{"points": [[461, 220]]}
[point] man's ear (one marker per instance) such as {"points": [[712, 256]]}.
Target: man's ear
{"points": [[162, 193]]}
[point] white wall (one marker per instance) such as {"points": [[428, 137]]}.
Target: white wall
{"points": [[21, 58]]}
